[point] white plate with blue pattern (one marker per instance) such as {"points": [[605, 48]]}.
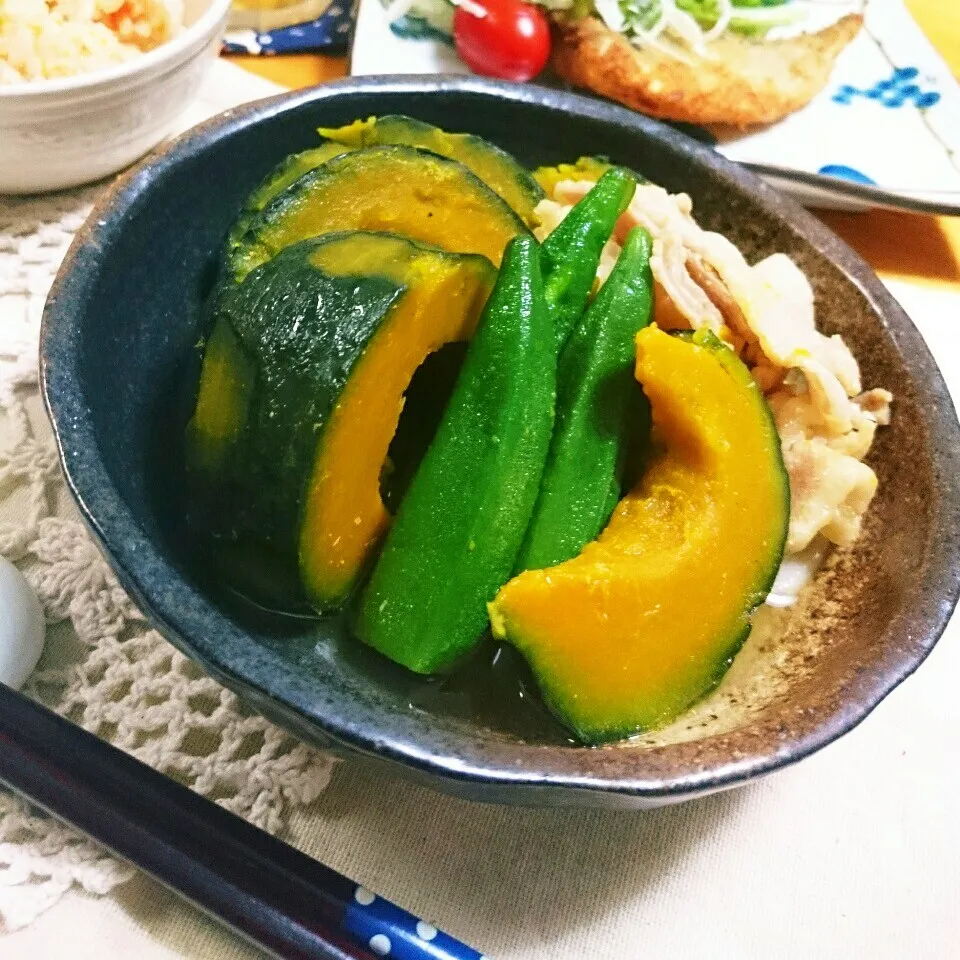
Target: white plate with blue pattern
{"points": [[884, 133]]}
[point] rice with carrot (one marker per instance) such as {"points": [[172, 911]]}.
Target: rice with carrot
{"points": [[45, 39]]}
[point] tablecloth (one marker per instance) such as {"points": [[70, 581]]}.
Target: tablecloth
{"points": [[853, 853]]}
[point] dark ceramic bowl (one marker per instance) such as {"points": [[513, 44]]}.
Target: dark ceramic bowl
{"points": [[118, 363]]}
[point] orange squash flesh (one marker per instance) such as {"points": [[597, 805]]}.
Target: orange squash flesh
{"points": [[497, 169], [399, 190], [344, 515], [647, 618], [222, 401]]}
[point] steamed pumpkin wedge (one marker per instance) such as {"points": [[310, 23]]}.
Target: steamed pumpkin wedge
{"points": [[302, 388], [281, 177], [401, 190], [223, 401], [648, 617], [495, 167]]}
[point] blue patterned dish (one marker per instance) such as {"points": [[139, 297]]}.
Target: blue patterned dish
{"points": [[885, 132]]}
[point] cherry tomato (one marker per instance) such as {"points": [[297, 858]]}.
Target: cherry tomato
{"points": [[507, 39]]}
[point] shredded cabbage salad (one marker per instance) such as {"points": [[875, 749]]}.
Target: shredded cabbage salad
{"points": [[674, 25]]}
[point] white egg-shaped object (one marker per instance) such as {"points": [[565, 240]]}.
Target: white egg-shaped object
{"points": [[22, 627]]}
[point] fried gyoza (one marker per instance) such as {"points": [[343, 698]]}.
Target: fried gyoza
{"points": [[741, 83]]}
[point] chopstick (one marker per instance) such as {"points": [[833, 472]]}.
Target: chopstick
{"points": [[277, 897]]}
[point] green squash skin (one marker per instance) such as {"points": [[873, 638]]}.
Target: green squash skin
{"points": [[563, 704], [597, 400], [302, 331], [741, 375], [459, 528], [281, 177], [303, 357], [616, 733], [570, 255], [494, 166], [258, 245]]}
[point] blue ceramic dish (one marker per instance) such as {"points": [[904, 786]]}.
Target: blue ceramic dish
{"points": [[119, 367]]}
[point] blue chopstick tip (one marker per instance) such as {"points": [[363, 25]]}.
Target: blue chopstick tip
{"points": [[388, 931]]}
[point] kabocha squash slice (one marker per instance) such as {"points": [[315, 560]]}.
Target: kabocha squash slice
{"points": [[281, 177], [302, 387], [223, 400], [398, 189], [495, 167], [646, 620]]}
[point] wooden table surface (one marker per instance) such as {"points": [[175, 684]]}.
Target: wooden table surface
{"points": [[920, 248]]}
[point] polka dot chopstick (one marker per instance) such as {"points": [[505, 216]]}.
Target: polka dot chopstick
{"points": [[277, 897], [388, 931]]}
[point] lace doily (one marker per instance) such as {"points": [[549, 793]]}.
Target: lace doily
{"points": [[104, 668]]}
